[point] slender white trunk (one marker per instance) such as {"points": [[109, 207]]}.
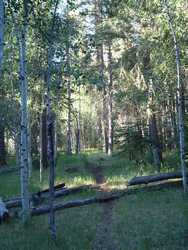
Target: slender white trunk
{"points": [[104, 112], [69, 131], [24, 127], [179, 101], [24, 173], [110, 100], [2, 17]]}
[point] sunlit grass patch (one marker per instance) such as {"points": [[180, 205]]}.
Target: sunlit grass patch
{"points": [[78, 180], [117, 182]]}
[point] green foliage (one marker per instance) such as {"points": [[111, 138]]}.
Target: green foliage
{"points": [[171, 160], [132, 143]]}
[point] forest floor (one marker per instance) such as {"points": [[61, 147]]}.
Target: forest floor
{"points": [[103, 238], [141, 221]]}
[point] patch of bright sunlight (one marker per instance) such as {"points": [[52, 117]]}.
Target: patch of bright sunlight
{"points": [[80, 180], [92, 151], [117, 182]]}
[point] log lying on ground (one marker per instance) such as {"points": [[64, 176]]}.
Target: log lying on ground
{"points": [[39, 197], [76, 203], [154, 178], [59, 186], [111, 197], [35, 197], [16, 201], [4, 214]]}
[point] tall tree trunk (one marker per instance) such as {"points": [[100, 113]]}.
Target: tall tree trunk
{"points": [[44, 139], [104, 121], [179, 100], [78, 130], [50, 143], [2, 131], [100, 61], [50, 129], [24, 120], [154, 137], [110, 101], [2, 17], [2, 146], [21, 33], [77, 138], [153, 131], [69, 129]]}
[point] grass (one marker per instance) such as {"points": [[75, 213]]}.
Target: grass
{"points": [[143, 221], [151, 221]]}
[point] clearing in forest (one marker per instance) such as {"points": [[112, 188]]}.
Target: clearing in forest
{"points": [[143, 220]]}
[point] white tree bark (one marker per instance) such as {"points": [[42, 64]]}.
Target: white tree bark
{"points": [[69, 130], [179, 100], [21, 32], [2, 17], [24, 127], [110, 100], [24, 117]]}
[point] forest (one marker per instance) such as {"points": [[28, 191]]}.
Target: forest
{"points": [[93, 124]]}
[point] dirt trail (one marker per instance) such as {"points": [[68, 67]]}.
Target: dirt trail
{"points": [[96, 172], [104, 238]]}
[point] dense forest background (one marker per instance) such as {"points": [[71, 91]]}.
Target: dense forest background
{"points": [[112, 75], [105, 75]]}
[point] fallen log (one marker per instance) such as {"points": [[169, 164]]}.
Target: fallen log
{"points": [[56, 187], [154, 178], [37, 198], [76, 203], [34, 198], [113, 196], [4, 214]]}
